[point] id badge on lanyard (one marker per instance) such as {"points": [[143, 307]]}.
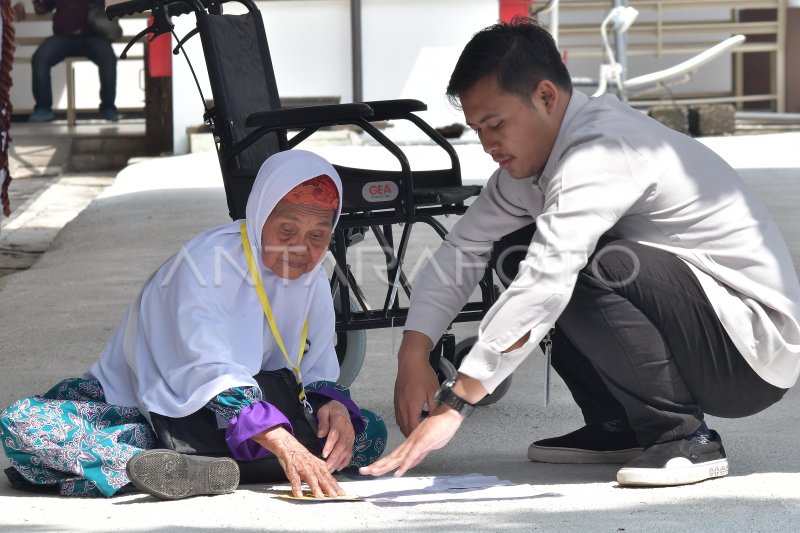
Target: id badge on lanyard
{"points": [[262, 296]]}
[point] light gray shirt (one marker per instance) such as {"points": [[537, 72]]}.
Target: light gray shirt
{"points": [[615, 171]]}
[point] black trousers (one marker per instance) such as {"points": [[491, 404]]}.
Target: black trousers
{"points": [[639, 341], [200, 433]]}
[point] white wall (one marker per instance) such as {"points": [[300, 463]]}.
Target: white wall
{"points": [[187, 105], [310, 47], [409, 48]]}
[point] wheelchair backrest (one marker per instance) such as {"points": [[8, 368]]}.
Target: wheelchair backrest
{"points": [[242, 82]]}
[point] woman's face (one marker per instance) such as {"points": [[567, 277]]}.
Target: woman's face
{"points": [[294, 238]]}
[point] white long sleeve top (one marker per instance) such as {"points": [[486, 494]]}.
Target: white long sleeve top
{"points": [[198, 327], [616, 171]]}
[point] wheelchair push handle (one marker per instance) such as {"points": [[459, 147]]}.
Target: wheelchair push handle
{"points": [[161, 10], [115, 9], [123, 8]]}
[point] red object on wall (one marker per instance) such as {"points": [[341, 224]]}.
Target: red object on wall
{"points": [[159, 54], [509, 8]]}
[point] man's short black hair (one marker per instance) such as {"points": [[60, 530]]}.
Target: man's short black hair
{"points": [[520, 53]]}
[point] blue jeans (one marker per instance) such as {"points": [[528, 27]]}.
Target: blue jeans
{"points": [[56, 48]]}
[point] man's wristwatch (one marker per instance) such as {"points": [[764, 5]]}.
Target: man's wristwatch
{"points": [[446, 396]]}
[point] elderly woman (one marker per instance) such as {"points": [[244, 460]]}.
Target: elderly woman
{"points": [[223, 366]]}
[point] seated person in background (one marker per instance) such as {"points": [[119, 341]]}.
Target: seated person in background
{"points": [[71, 37], [195, 346]]}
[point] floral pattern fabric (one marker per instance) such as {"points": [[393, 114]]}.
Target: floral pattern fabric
{"points": [[370, 443], [227, 404], [70, 439]]}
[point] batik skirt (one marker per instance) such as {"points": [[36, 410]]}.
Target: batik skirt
{"points": [[71, 441]]}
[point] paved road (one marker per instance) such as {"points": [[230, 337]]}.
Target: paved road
{"points": [[57, 316]]}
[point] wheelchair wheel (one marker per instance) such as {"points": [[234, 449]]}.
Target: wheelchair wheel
{"points": [[351, 347], [462, 349]]}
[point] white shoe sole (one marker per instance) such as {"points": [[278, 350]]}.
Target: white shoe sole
{"points": [[669, 477], [549, 454]]}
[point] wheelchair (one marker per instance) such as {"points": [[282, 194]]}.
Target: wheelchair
{"points": [[248, 125]]}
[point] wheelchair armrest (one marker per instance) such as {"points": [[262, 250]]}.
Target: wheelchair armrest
{"points": [[388, 109], [311, 116]]}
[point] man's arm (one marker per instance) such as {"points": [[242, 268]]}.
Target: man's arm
{"points": [[453, 272], [447, 282], [594, 187]]}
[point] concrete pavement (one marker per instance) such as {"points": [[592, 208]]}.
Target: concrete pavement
{"points": [[41, 156], [57, 316]]}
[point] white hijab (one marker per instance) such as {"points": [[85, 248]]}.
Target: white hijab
{"points": [[197, 327]]}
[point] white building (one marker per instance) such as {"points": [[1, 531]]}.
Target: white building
{"points": [[409, 48]]}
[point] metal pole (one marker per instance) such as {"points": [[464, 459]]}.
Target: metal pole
{"points": [[554, 21], [621, 52], [355, 44]]}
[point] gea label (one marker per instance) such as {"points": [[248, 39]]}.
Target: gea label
{"points": [[379, 191]]}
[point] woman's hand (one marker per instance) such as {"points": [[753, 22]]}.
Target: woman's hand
{"points": [[333, 420], [299, 464]]}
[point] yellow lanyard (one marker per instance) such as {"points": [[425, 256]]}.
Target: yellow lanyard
{"points": [[251, 264]]}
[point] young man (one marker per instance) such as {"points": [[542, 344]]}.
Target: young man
{"points": [[668, 288]]}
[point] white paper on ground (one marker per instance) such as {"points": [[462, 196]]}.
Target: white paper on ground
{"points": [[436, 488]]}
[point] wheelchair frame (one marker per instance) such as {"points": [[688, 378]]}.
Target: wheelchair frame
{"points": [[264, 133]]}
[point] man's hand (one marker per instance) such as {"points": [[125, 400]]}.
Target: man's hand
{"points": [[334, 422], [19, 11], [299, 464], [431, 434], [416, 381]]}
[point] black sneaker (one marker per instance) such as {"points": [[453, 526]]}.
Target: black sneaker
{"points": [[600, 443], [679, 462], [169, 475]]}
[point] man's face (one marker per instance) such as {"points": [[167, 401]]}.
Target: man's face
{"points": [[518, 133]]}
